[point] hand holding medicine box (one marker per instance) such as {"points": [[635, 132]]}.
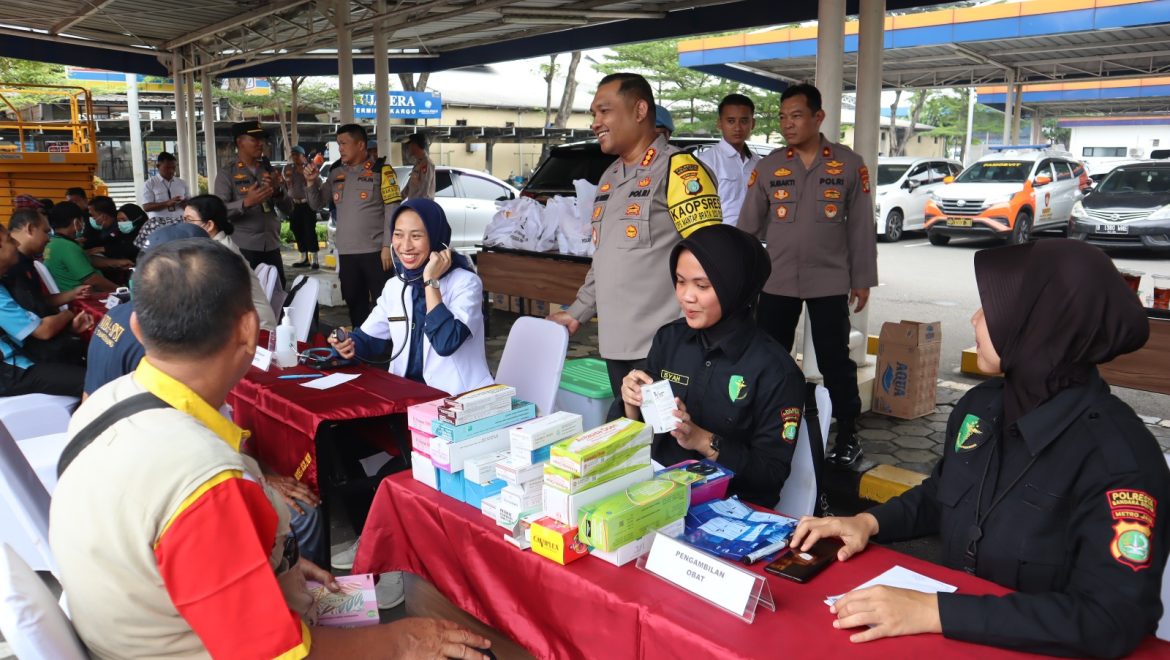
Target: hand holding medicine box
{"points": [[658, 407]]}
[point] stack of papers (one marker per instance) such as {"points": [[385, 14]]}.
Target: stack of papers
{"points": [[902, 578]]}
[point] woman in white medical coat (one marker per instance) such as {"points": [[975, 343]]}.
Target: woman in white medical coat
{"points": [[428, 322]]}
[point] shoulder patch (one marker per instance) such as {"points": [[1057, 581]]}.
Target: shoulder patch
{"points": [[391, 193], [752, 179], [691, 197], [864, 179], [1135, 512], [791, 418]]}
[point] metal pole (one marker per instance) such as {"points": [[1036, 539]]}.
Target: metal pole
{"points": [[344, 60], [1019, 106], [830, 55], [1037, 127], [181, 118], [136, 152], [972, 98], [210, 155], [1008, 110], [192, 126], [382, 86]]}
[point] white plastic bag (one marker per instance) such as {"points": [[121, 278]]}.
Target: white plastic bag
{"points": [[575, 230], [518, 224]]}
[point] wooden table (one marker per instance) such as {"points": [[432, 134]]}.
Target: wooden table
{"points": [[1147, 368]]}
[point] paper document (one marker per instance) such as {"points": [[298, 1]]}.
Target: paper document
{"points": [[902, 578], [332, 380], [658, 407]]}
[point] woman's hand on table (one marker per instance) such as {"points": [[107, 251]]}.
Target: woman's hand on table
{"points": [[888, 611], [344, 348], [854, 532], [292, 490], [434, 638]]}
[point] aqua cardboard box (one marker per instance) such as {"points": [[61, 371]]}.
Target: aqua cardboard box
{"points": [[522, 411], [595, 448], [625, 517], [451, 484], [525, 457], [474, 493], [565, 506]]}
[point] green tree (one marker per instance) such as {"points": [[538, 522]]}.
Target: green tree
{"points": [[26, 72], [947, 112]]}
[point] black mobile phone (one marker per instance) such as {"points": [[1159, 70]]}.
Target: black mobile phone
{"points": [[803, 566]]}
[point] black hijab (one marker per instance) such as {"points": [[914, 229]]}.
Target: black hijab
{"points": [[736, 265], [1055, 309]]}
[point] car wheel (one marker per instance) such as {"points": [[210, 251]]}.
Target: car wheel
{"points": [[939, 239], [893, 227], [1022, 231]]}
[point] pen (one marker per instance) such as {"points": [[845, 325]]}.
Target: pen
{"points": [[753, 557], [299, 376]]}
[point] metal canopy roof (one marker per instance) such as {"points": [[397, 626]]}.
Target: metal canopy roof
{"points": [[1078, 98], [1041, 40], [294, 37]]}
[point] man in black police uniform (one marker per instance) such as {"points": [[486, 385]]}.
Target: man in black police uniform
{"points": [[811, 202], [252, 190]]}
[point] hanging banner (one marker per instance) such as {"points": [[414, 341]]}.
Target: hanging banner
{"points": [[403, 105]]}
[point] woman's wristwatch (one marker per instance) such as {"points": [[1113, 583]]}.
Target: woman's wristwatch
{"points": [[716, 443], [434, 284]]}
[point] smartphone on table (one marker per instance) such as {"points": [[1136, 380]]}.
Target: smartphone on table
{"points": [[801, 566]]}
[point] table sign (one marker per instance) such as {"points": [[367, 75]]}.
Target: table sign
{"points": [[262, 359], [724, 585]]}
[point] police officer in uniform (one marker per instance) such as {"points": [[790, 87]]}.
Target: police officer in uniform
{"points": [[421, 183], [650, 198], [1048, 484], [252, 190], [811, 202], [365, 192]]}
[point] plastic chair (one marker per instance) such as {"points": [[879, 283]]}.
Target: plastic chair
{"points": [[533, 359], [267, 275], [29, 415], [303, 305], [49, 281], [1164, 624], [33, 624], [27, 500], [798, 497]]}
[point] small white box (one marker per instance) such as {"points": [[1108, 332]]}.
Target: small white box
{"points": [[424, 470], [631, 551], [544, 431], [482, 469], [490, 506], [564, 506], [516, 472], [452, 455], [508, 516], [523, 499]]}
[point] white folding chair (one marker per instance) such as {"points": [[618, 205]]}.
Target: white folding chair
{"points": [[49, 281], [798, 497], [303, 305], [267, 275], [533, 359], [29, 415], [1164, 624], [33, 624], [27, 500]]}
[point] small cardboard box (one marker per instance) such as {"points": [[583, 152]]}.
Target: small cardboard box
{"points": [[424, 470], [420, 415], [474, 494], [631, 551], [594, 450], [500, 301], [517, 305], [420, 442], [452, 455], [522, 411], [547, 430], [538, 308], [907, 369], [451, 484], [556, 541], [490, 506], [629, 460], [329, 293], [482, 469], [565, 507], [627, 516]]}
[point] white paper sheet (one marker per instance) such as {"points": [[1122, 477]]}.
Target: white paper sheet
{"points": [[332, 380], [902, 578]]}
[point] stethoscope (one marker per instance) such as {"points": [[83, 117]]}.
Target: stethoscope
{"points": [[406, 284]]}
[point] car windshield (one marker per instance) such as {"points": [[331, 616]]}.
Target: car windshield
{"points": [[888, 174], [1137, 179], [996, 171]]}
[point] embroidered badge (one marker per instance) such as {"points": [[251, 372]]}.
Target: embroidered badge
{"points": [[677, 379], [336, 197], [782, 212], [364, 195], [790, 153], [783, 171], [826, 153], [649, 157], [791, 419], [830, 210], [834, 163], [597, 212], [632, 231], [736, 388], [864, 179], [604, 188], [633, 209], [752, 179], [1135, 512], [781, 194], [240, 177], [970, 435], [834, 170], [832, 194]]}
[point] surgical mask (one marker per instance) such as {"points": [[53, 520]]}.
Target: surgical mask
{"points": [[125, 226], [94, 223], [52, 233]]}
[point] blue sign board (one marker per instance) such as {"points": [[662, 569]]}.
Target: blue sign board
{"points": [[403, 105]]}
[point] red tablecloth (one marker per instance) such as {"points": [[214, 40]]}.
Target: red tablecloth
{"points": [[283, 416], [592, 609], [96, 306]]}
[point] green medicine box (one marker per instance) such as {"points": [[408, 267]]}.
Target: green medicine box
{"points": [[625, 517]]}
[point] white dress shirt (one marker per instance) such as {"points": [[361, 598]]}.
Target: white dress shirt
{"points": [[158, 189], [732, 173]]}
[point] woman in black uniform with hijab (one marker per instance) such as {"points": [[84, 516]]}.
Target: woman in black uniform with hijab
{"points": [[1048, 484], [739, 394]]}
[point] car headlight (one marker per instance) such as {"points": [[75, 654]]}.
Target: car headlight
{"points": [[1161, 214], [998, 199], [1078, 209], [935, 197]]}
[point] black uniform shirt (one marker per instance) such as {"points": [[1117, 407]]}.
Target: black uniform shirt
{"points": [[1077, 535], [746, 389]]}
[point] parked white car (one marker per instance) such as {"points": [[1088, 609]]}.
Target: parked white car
{"points": [[903, 187]]}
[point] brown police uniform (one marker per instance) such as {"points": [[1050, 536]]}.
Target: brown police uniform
{"points": [[257, 228], [639, 214]]}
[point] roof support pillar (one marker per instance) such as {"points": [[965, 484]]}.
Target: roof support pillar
{"points": [[1009, 107], [137, 154], [192, 158], [181, 144], [344, 59], [211, 156], [382, 86], [1017, 109], [830, 58]]}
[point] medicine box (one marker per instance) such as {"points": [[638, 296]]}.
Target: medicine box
{"points": [[631, 551], [624, 462], [565, 506], [594, 449], [524, 457], [556, 541], [482, 469], [585, 390], [490, 506], [420, 416], [452, 455], [547, 430], [423, 470], [522, 411], [624, 517], [451, 484], [517, 472], [707, 479], [420, 442], [474, 493]]}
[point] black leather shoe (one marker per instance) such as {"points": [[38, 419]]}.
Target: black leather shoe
{"points": [[846, 452], [300, 264], [314, 266]]}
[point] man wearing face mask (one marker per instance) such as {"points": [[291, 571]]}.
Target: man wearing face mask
{"points": [[421, 184], [106, 233], [65, 258], [651, 197], [252, 190]]}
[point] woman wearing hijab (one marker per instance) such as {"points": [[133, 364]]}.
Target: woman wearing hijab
{"points": [[739, 393], [428, 322], [210, 213], [131, 219], [1048, 484]]}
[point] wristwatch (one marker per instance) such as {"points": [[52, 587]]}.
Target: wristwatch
{"points": [[716, 441], [434, 284]]}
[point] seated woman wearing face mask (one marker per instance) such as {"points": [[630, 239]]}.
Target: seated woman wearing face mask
{"points": [[1048, 483], [739, 394], [428, 322], [109, 230]]}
